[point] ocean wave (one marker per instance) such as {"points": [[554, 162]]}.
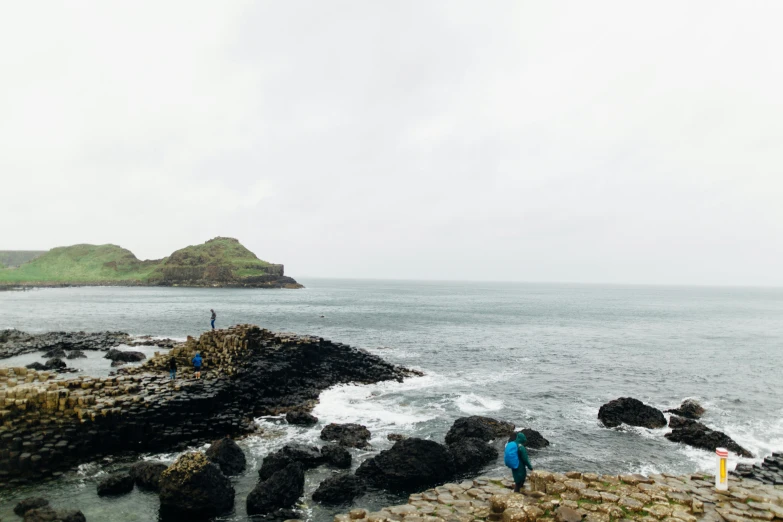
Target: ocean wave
{"points": [[475, 404]]}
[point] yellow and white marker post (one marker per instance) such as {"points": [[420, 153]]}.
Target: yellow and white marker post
{"points": [[722, 473]]}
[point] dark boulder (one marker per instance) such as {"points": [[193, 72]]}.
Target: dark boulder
{"points": [[341, 489], [76, 354], [26, 504], [36, 366], [228, 455], [471, 454], [308, 456], [351, 435], [195, 487], [116, 484], [55, 364], [477, 427], [301, 418], [336, 455], [679, 422], [698, 435], [147, 473], [281, 490], [47, 514], [394, 437], [627, 410], [119, 355], [54, 353], [115, 364], [534, 439], [689, 408], [410, 465]]}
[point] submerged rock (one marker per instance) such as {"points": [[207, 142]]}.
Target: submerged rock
{"points": [[394, 437], [410, 465], [116, 484], [147, 473], [281, 490], [484, 428], [689, 408], [340, 489], [76, 354], [308, 456], [228, 455], [26, 504], [36, 366], [54, 353], [301, 418], [471, 454], [47, 514], [534, 439], [337, 456], [195, 487], [351, 435], [627, 410], [696, 434], [119, 355]]}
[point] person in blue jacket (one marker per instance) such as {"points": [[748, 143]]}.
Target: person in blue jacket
{"points": [[197, 362], [520, 472]]}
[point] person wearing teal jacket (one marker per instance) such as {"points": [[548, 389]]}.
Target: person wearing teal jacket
{"points": [[520, 474]]}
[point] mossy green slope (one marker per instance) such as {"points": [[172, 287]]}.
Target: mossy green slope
{"points": [[218, 262], [81, 263]]}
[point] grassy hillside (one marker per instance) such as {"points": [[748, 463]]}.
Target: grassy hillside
{"points": [[17, 257], [218, 262], [81, 263]]}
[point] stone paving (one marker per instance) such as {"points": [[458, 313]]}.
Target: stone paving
{"points": [[588, 497]]}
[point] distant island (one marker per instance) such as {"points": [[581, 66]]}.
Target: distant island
{"points": [[220, 262]]}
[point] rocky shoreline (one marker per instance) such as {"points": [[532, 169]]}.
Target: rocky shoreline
{"points": [[52, 425], [586, 497], [269, 281]]}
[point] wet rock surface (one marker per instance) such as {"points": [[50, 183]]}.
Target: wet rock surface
{"points": [[281, 490], [47, 514], [27, 504], [115, 484], [409, 465], [146, 474], [350, 435], [471, 454], [484, 428], [689, 409], [340, 489], [129, 356], [227, 455], [627, 410], [696, 434], [195, 487], [534, 439], [301, 418], [337, 456], [76, 354], [16, 342], [49, 425], [308, 456]]}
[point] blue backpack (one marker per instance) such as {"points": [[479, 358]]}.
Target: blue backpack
{"points": [[511, 455]]}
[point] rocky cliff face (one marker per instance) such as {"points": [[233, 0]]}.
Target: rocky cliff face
{"points": [[50, 425]]}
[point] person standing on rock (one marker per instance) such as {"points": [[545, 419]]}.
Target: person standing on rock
{"points": [[214, 316], [515, 457], [197, 361], [172, 368]]}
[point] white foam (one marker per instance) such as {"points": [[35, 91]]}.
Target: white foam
{"points": [[474, 404]]}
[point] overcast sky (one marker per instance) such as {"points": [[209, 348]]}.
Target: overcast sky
{"points": [[620, 142]]}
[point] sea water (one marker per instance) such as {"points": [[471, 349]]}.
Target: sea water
{"points": [[543, 356]]}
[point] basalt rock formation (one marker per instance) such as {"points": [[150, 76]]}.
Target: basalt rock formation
{"points": [[301, 418], [49, 425], [410, 465], [350, 435], [337, 456], [308, 456], [696, 434], [194, 487], [484, 428], [280, 490], [627, 410], [689, 408], [15, 342], [770, 471]]}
